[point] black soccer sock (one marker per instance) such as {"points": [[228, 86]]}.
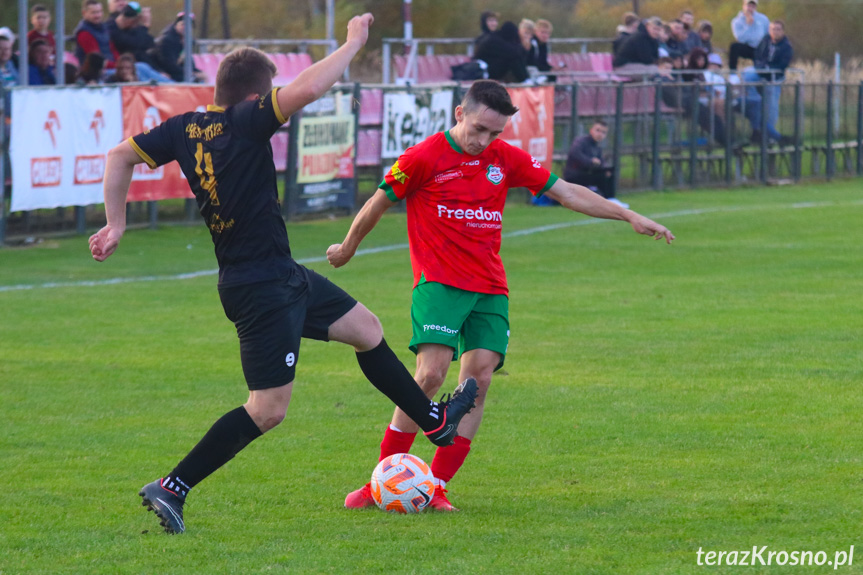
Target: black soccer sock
{"points": [[381, 367], [227, 437]]}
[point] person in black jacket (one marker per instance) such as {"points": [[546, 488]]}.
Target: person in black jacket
{"points": [[584, 163], [503, 54], [168, 51], [639, 53], [128, 35], [488, 22]]}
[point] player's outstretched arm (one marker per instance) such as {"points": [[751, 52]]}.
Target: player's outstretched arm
{"points": [[580, 199], [367, 218], [118, 175], [314, 81]]}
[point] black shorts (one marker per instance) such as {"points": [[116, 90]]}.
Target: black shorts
{"points": [[272, 316]]}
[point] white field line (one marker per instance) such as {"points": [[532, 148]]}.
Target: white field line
{"points": [[392, 247]]}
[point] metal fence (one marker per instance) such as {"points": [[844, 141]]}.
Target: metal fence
{"points": [[653, 144]]}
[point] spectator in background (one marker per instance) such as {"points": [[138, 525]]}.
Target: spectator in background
{"points": [[639, 53], [749, 28], [773, 55], [526, 29], [705, 36], [695, 66], [124, 71], [488, 22], [664, 35], [8, 69], [41, 70], [584, 164], [128, 35], [625, 30], [679, 43], [40, 19], [684, 96], [688, 19], [92, 35], [115, 7], [539, 50], [90, 72], [167, 54], [503, 54]]}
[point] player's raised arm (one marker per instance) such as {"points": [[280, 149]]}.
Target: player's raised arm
{"points": [[314, 81], [118, 175], [367, 218], [580, 199]]}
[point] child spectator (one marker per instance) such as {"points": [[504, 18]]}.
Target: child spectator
{"points": [[124, 71], [90, 72], [705, 36], [40, 66], [488, 22], [40, 19]]}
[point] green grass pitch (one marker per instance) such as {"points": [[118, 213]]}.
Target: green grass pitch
{"points": [[657, 400]]}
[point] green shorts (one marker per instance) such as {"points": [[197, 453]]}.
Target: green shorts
{"points": [[460, 319]]}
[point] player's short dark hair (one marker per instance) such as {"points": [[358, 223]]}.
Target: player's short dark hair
{"points": [[38, 8], [244, 71], [491, 94]]}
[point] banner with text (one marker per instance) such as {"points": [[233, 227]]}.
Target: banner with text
{"points": [[411, 118], [532, 127], [144, 108], [59, 142]]}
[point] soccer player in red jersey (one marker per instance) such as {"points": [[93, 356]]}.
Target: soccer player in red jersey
{"points": [[455, 184]]}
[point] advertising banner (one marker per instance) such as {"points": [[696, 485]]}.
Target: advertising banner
{"points": [[144, 108], [59, 143], [411, 118], [532, 127]]}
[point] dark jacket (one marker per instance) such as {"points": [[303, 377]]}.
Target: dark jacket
{"points": [[136, 40], [100, 33], [639, 48], [538, 55], [41, 76], [579, 160], [774, 56], [503, 53], [167, 51]]}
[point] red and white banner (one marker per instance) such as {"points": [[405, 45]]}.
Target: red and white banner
{"points": [[532, 127], [59, 142], [144, 108]]}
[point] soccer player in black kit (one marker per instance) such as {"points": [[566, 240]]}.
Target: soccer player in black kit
{"points": [[273, 301]]}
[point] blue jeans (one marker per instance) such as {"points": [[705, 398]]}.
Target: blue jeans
{"points": [[147, 73], [754, 95]]}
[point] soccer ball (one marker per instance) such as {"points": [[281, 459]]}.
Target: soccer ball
{"points": [[402, 483]]}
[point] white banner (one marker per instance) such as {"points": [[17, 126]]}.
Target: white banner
{"points": [[59, 142], [411, 118]]}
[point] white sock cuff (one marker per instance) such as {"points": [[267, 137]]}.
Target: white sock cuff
{"points": [[394, 428]]}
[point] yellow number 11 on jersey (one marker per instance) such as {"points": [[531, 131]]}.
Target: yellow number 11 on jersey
{"points": [[206, 173]]}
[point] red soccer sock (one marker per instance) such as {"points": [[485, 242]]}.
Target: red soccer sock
{"points": [[396, 442], [448, 460]]}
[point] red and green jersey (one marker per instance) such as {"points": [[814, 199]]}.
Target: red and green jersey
{"points": [[455, 207]]}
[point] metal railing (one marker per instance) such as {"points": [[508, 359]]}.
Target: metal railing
{"points": [[205, 46]]}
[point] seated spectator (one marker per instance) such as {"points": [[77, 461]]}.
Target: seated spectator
{"points": [[773, 55], [128, 35], [92, 35], [664, 35], [717, 85], [70, 73], [749, 28], [539, 50], [682, 96], [8, 70], [625, 30], [488, 22], [503, 54], [705, 36], [695, 66], [639, 53], [526, 28], [90, 72], [124, 71], [41, 70], [40, 19], [6, 32], [679, 43], [688, 19], [584, 163], [167, 54]]}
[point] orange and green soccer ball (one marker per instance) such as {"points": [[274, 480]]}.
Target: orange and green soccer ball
{"points": [[402, 483]]}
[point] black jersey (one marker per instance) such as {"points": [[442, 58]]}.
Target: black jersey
{"points": [[226, 156]]}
